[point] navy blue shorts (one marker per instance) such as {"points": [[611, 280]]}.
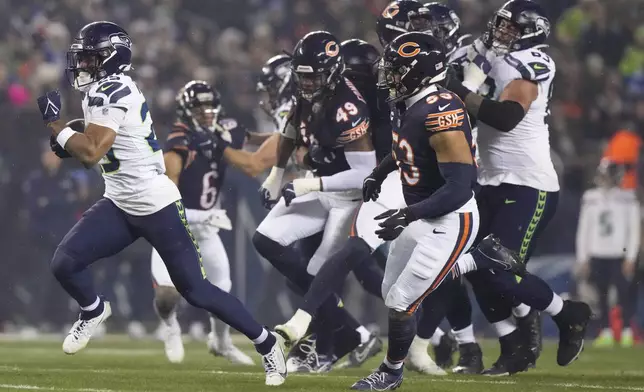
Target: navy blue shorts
{"points": [[516, 214]]}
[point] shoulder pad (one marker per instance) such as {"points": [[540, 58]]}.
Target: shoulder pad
{"points": [[459, 56], [351, 117], [178, 139], [444, 111], [532, 64], [111, 91]]}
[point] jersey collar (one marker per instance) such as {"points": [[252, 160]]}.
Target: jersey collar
{"points": [[420, 95]]}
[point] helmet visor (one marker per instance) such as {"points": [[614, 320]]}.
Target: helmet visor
{"points": [[82, 67], [503, 33]]}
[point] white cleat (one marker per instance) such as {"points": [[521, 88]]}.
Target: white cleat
{"points": [[82, 331], [230, 352], [288, 332], [419, 360], [172, 342], [275, 363]]}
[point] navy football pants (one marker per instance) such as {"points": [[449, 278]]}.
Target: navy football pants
{"points": [[105, 230], [517, 215]]}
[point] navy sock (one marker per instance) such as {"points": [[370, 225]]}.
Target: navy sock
{"points": [[434, 308], [265, 347], [459, 311], [402, 330], [90, 314], [333, 273]]}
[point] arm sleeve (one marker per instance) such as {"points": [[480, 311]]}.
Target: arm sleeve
{"points": [[456, 191], [633, 244], [361, 163], [583, 230], [386, 166]]}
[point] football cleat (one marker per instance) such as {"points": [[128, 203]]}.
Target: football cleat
{"points": [[379, 380], [444, 351], [364, 352], [172, 342], [419, 360], [228, 351], [530, 328], [498, 257], [82, 331], [299, 353], [515, 357], [288, 332], [470, 359], [572, 322], [275, 363]]}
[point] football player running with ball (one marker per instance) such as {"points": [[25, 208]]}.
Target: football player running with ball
{"points": [[519, 192], [139, 200], [431, 147]]}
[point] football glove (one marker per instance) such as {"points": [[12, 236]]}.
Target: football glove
{"points": [[371, 187], [77, 125], [395, 221], [270, 191], [475, 72], [299, 187], [50, 105]]}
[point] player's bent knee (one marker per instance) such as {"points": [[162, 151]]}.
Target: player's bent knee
{"points": [[198, 294], [62, 264], [166, 299]]}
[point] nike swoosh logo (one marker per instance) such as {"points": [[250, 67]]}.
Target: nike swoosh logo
{"points": [[54, 109], [103, 88], [353, 124], [438, 232], [538, 67], [441, 108], [507, 201]]}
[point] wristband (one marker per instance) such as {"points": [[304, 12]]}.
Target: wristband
{"points": [[64, 136]]}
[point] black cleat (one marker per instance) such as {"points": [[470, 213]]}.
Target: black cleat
{"points": [[572, 322], [530, 328], [364, 352], [515, 356], [470, 359], [498, 257], [445, 350]]}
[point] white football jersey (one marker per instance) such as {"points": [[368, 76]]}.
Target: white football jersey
{"points": [[133, 168], [609, 225], [459, 57], [521, 156]]}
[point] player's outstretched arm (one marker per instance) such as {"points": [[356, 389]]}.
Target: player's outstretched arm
{"points": [[456, 165], [88, 147], [255, 163]]}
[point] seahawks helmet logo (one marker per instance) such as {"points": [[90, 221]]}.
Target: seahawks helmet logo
{"points": [[542, 24], [121, 40]]}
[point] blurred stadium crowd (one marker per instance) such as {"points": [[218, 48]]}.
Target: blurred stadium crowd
{"points": [[598, 46]]}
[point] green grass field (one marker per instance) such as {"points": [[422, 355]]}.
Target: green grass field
{"points": [[118, 364]]}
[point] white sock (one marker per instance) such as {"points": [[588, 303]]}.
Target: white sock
{"points": [[521, 311], [555, 305], [465, 335], [393, 366], [92, 306], [300, 322], [172, 320], [504, 327], [419, 344], [364, 334], [465, 264], [436, 337], [262, 337]]}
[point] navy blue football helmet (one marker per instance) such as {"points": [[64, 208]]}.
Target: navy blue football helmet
{"points": [[360, 58], [99, 49], [276, 81], [394, 20], [317, 64], [199, 106], [440, 21], [411, 62], [517, 25]]}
